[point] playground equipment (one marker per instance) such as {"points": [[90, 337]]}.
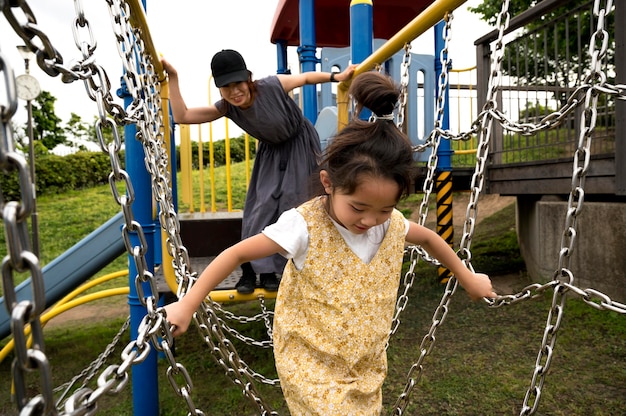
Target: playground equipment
{"points": [[144, 110], [71, 301], [72, 268]]}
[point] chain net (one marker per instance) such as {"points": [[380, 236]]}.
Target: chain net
{"points": [[143, 83]]}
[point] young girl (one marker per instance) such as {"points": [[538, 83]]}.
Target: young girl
{"points": [[336, 300], [289, 146]]}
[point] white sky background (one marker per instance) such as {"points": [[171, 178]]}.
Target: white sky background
{"points": [[188, 33]]}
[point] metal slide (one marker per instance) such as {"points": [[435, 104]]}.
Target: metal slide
{"points": [[75, 266]]}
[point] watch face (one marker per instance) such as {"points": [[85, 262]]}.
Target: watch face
{"points": [[27, 87]]}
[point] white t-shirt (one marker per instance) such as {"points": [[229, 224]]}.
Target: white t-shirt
{"points": [[291, 233]]}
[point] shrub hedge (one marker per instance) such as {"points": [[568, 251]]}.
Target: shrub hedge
{"points": [[61, 173], [87, 169]]}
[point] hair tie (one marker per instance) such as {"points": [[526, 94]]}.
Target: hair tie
{"points": [[383, 117]]}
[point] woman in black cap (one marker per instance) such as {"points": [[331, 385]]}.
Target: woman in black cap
{"points": [[289, 146]]}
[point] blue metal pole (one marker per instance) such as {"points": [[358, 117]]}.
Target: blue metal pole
{"points": [[443, 175], [361, 35], [144, 375], [361, 29], [444, 152], [281, 58], [308, 60]]}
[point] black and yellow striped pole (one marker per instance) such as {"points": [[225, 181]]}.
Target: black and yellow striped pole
{"points": [[445, 226], [443, 176]]}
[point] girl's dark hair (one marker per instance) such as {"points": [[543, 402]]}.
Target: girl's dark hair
{"points": [[363, 148]]}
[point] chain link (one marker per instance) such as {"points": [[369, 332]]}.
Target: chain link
{"points": [[145, 111], [404, 84], [418, 252], [563, 275]]}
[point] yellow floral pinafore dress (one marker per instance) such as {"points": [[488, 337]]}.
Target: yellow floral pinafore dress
{"points": [[332, 320]]}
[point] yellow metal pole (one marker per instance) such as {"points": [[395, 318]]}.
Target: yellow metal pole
{"points": [[185, 165], [229, 191], [138, 19], [246, 143], [166, 258], [464, 147], [211, 157], [201, 168]]}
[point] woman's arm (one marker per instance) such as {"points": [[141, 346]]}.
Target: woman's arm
{"points": [[477, 285], [182, 114], [289, 82], [179, 313]]}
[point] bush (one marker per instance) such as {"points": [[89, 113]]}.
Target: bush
{"points": [[87, 169], [60, 173]]}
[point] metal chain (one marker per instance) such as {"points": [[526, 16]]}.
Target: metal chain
{"points": [[582, 155], [242, 319], [90, 371], [404, 84], [145, 111], [418, 252], [20, 258], [151, 136], [434, 137], [226, 355]]}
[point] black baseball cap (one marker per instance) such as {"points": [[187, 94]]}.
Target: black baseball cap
{"points": [[228, 66]]}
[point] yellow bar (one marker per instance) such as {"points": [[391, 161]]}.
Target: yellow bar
{"points": [[166, 258], [471, 68], [185, 165], [246, 143], [57, 310], [211, 157], [201, 167], [212, 168], [229, 191], [226, 296], [465, 152], [138, 19]]}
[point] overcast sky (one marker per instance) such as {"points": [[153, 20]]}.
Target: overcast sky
{"points": [[188, 33]]}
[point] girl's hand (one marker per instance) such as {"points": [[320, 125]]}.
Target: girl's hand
{"points": [[478, 286], [179, 317]]}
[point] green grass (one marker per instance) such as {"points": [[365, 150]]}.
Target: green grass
{"points": [[481, 363]]}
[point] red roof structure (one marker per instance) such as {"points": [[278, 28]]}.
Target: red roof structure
{"points": [[332, 20]]}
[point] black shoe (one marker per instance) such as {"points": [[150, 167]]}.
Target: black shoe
{"points": [[269, 282], [246, 284]]}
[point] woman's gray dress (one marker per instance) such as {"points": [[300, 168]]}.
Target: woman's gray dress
{"points": [[286, 159]]}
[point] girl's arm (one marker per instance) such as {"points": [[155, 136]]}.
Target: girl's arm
{"points": [[182, 114], [179, 313], [477, 285], [289, 82]]}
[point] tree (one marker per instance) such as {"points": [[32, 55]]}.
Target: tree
{"points": [[46, 124], [552, 50], [489, 9], [78, 129]]}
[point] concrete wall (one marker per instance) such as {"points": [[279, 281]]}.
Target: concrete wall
{"points": [[598, 260]]}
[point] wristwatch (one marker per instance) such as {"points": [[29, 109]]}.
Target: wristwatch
{"points": [[27, 87]]}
